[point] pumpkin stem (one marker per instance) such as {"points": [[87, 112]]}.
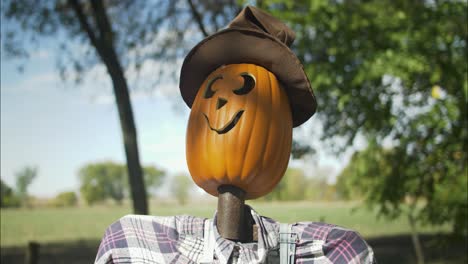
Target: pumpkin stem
{"points": [[234, 221]]}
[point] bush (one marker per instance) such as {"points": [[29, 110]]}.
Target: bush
{"points": [[65, 199], [8, 197]]}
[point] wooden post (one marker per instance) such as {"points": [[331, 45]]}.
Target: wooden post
{"points": [[32, 253], [234, 221]]}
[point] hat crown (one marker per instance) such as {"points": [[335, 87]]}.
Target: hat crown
{"points": [[253, 18], [258, 38]]}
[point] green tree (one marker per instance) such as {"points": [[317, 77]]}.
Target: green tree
{"points": [[101, 181], [347, 180], [292, 186], [65, 199], [24, 178], [180, 187], [392, 183], [317, 189], [277, 193], [106, 180], [295, 185], [153, 177], [121, 36], [396, 72], [7, 196]]}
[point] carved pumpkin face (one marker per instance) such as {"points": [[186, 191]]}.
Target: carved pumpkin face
{"points": [[239, 131]]}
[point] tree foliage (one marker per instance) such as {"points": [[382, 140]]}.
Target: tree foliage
{"points": [[394, 72], [100, 181], [65, 199], [8, 197], [153, 177], [318, 189], [295, 186], [180, 187], [107, 180], [384, 178], [370, 62], [141, 31], [24, 178]]}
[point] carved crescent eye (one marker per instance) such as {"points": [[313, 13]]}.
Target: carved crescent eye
{"points": [[249, 84], [208, 91]]}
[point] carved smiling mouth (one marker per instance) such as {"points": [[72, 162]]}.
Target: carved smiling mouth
{"points": [[229, 125]]}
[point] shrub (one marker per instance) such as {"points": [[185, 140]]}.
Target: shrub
{"points": [[65, 199], [8, 197]]}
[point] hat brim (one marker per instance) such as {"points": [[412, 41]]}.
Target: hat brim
{"points": [[238, 45]]}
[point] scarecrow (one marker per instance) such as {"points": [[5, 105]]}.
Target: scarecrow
{"points": [[247, 90]]}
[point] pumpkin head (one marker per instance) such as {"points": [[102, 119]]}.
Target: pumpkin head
{"points": [[239, 131]]}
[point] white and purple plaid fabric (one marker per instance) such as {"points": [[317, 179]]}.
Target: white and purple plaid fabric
{"points": [[180, 239]]}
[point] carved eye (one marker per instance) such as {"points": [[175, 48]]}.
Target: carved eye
{"points": [[249, 84], [208, 91]]}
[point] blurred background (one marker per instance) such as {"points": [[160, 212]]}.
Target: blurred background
{"points": [[93, 125]]}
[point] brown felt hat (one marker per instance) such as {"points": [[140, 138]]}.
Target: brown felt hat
{"points": [[255, 37]]}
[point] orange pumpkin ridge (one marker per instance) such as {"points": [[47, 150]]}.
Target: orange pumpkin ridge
{"points": [[253, 154], [266, 96]]}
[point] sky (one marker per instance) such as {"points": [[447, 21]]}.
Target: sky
{"points": [[60, 126]]}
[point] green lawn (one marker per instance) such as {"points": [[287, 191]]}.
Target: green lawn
{"points": [[18, 226]]}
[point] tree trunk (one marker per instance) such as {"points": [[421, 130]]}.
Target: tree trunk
{"points": [[102, 40], [415, 239], [127, 124], [122, 97]]}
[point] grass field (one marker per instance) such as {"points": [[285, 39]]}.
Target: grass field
{"points": [[72, 235], [45, 225]]}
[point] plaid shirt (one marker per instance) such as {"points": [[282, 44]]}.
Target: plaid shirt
{"points": [[180, 239]]}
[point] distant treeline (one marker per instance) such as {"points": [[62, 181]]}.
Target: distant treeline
{"points": [[104, 182]]}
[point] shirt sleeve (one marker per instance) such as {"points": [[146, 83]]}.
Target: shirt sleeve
{"points": [[347, 246], [137, 238], [152, 239], [111, 238]]}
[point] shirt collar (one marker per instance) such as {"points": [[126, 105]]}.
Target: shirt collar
{"points": [[254, 252]]}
